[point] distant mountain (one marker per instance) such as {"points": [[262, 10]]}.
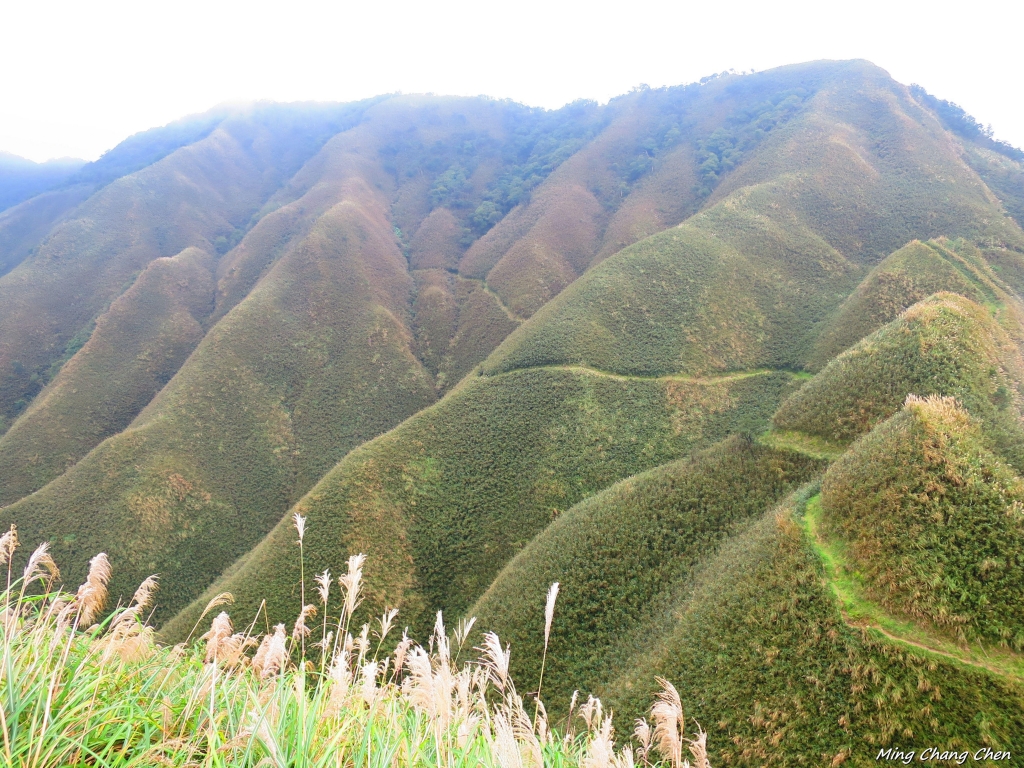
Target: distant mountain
{"points": [[21, 179], [738, 363]]}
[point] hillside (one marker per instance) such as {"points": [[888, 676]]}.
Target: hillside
{"points": [[21, 179], [737, 363], [445, 499]]}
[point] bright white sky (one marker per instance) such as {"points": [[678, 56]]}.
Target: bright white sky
{"points": [[78, 77]]}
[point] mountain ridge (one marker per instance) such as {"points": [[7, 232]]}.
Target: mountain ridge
{"points": [[615, 346]]}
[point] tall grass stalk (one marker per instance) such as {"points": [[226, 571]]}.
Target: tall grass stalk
{"points": [[549, 615], [106, 694]]}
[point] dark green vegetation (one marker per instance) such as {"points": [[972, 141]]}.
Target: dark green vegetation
{"points": [[622, 553], [444, 500], [495, 347], [766, 663]]}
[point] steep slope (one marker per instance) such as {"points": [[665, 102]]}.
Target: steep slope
{"points": [[845, 181], [137, 346], [903, 278], [24, 226], [309, 353], [946, 345], [998, 163], [640, 175], [763, 659], [444, 500], [619, 554], [746, 284], [192, 197], [933, 522], [312, 362]]}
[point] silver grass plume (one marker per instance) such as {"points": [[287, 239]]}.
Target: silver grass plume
{"points": [[39, 561], [601, 752], [323, 586], [351, 582], [699, 749], [92, 595], [8, 543], [301, 630], [667, 714], [272, 653], [549, 611], [495, 659], [644, 737], [144, 594], [220, 630]]}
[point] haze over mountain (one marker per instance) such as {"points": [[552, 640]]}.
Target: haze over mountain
{"points": [[738, 363]]}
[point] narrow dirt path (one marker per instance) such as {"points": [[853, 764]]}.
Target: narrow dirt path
{"points": [[725, 377], [870, 615]]}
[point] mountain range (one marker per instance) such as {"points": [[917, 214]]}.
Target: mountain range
{"points": [[737, 363]]}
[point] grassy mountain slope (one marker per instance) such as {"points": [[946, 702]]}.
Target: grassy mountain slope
{"points": [[137, 346], [444, 500], [1004, 176], [190, 198], [846, 180], [309, 353], [526, 267], [945, 345], [745, 284], [1001, 165], [24, 226], [638, 176], [620, 553], [763, 660], [933, 521], [312, 362], [903, 278], [752, 290]]}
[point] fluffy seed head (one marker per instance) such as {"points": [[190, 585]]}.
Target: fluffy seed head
{"points": [[301, 630], [39, 561], [699, 749], [549, 611], [144, 594], [601, 752], [222, 599], [274, 653], [300, 525], [220, 630], [462, 630], [495, 659], [400, 652], [644, 737], [323, 585], [386, 621], [8, 543], [667, 714], [350, 582], [92, 595]]}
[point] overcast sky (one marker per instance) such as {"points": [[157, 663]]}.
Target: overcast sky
{"points": [[78, 77]]}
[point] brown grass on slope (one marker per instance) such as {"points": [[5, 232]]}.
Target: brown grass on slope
{"points": [[137, 346]]}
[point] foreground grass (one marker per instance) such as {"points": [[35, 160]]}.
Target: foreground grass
{"points": [[78, 693]]}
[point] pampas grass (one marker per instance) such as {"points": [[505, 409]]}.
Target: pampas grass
{"points": [[82, 689]]}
